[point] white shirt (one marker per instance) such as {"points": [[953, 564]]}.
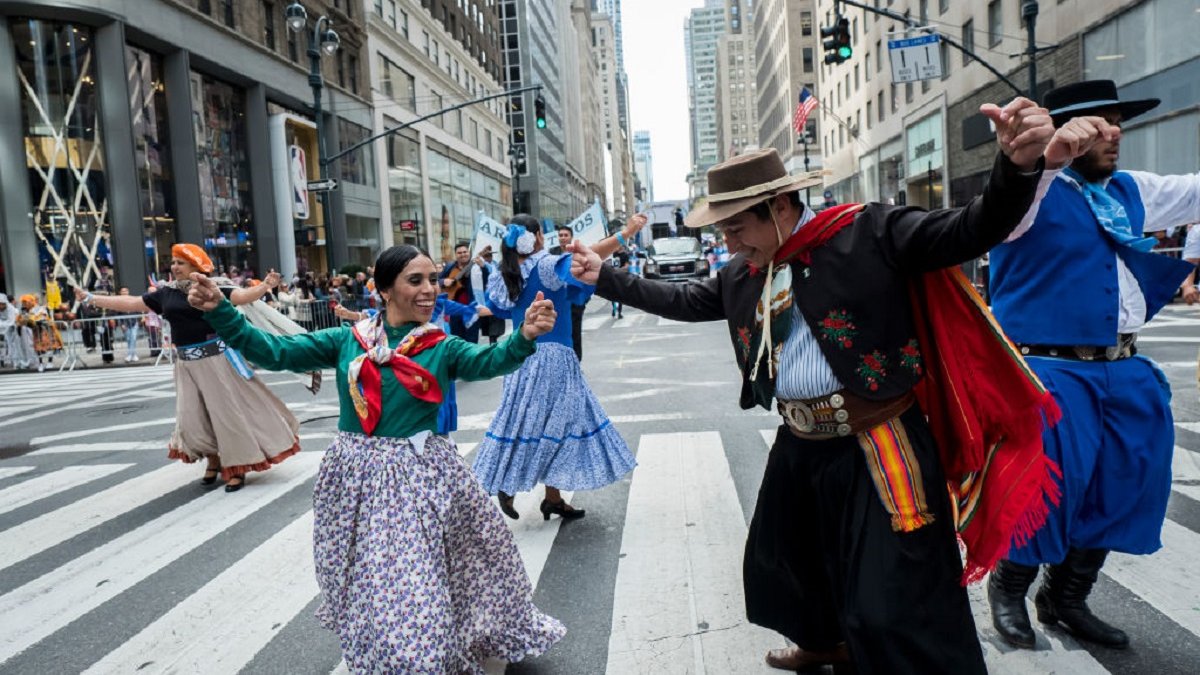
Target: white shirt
{"points": [[1169, 201], [803, 370]]}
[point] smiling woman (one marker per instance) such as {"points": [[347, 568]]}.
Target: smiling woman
{"points": [[390, 485]]}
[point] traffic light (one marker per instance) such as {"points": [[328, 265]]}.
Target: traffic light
{"points": [[539, 111], [837, 45]]}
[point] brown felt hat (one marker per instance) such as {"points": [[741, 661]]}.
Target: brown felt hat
{"points": [[743, 181]]}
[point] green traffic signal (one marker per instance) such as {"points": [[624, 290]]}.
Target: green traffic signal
{"points": [[845, 52], [539, 111]]}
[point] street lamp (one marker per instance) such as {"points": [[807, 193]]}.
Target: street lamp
{"points": [[323, 39]]}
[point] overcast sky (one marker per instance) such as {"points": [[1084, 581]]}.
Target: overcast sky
{"points": [[655, 63]]}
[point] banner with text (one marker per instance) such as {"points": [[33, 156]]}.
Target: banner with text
{"points": [[589, 227], [488, 232]]}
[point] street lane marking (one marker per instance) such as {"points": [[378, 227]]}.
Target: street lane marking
{"points": [[50, 529], [1168, 338], [52, 601], [677, 603], [41, 487], [1168, 579], [664, 322], [118, 446], [10, 471], [39, 441], [240, 611], [1183, 465]]}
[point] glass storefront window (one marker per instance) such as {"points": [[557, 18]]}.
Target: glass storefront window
{"points": [[63, 148], [358, 166], [225, 209], [148, 110], [404, 187]]}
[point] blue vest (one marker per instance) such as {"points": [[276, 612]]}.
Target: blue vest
{"points": [[1057, 284]]}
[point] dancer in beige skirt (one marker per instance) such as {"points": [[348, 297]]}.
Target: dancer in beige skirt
{"points": [[223, 412]]}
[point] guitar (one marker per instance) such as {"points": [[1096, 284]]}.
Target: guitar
{"points": [[455, 276]]}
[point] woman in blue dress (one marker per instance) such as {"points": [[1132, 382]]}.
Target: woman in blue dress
{"points": [[549, 428]]}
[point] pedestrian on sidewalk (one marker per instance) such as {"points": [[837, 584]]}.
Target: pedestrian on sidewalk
{"points": [[223, 413], [418, 572], [1072, 286], [549, 427], [852, 551], [41, 339], [17, 352], [620, 260]]}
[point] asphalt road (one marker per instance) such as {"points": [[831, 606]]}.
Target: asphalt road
{"points": [[114, 560]]}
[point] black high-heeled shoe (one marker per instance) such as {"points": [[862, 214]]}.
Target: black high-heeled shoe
{"points": [[506, 505], [562, 508], [234, 487], [209, 480]]}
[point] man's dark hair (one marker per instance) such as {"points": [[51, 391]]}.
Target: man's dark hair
{"points": [[762, 210], [462, 244], [564, 228]]}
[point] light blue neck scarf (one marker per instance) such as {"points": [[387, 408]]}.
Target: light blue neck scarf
{"points": [[1111, 214]]}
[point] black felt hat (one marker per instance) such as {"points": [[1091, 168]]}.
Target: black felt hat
{"points": [[1088, 96]]}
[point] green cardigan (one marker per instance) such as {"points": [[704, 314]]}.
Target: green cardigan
{"points": [[403, 415]]}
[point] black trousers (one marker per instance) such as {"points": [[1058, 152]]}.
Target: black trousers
{"points": [[823, 565], [577, 329], [457, 327]]}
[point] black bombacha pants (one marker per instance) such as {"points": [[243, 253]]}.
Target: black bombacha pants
{"points": [[823, 565]]}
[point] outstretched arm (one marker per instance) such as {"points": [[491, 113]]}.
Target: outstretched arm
{"points": [[681, 302], [245, 296], [125, 304], [609, 245], [300, 353]]}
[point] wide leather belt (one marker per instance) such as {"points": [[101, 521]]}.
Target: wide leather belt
{"points": [[1126, 347], [201, 350], [839, 414]]}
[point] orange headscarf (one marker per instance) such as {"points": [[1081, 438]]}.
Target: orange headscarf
{"points": [[28, 301], [194, 255]]}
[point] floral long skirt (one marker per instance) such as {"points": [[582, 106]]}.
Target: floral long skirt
{"points": [[418, 571]]}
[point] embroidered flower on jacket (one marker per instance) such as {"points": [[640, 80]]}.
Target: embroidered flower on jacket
{"points": [[838, 326], [910, 356], [743, 336], [872, 368]]}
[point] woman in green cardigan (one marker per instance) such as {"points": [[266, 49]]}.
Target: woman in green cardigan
{"points": [[418, 571]]}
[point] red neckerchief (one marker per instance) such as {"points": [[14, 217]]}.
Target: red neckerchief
{"points": [[813, 234], [419, 382]]}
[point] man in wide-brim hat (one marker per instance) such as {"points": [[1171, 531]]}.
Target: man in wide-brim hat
{"points": [[1072, 287], [851, 551]]}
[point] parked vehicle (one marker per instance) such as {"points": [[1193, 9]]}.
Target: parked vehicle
{"points": [[676, 259]]}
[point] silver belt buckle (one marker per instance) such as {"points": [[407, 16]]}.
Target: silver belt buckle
{"points": [[800, 415]]}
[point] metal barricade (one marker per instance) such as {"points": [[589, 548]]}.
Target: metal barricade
{"points": [[111, 337]]}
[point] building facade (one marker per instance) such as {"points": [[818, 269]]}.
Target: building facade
{"points": [[786, 45], [737, 99], [702, 30], [131, 130], [539, 47], [620, 170], [925, 142], [643, 163], [438, 174]]}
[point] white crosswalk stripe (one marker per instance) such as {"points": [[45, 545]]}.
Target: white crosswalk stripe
{"points": [[40, 487], [676, 597], [681, 551]]}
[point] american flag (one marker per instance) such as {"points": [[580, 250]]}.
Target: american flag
{"points": [[807, 103]]}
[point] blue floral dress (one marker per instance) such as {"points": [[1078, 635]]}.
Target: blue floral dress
{"points": [[549, 428]]}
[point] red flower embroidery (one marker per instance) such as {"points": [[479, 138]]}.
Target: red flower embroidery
{"points": [[872, 368], [838, 326], [910, 357]]}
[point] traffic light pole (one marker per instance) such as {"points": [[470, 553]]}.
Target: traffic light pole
{"points": [[443, 111], [1029, 10]]}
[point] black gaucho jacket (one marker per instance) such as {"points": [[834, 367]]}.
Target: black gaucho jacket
{"points": [[855, 293]]}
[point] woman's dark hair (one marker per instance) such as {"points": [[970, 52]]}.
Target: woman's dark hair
{"points": [[392, 262], [510, 264]]}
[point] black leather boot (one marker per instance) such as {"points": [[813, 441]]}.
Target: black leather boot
{"points": [[1062, 598], [1007, 586]]}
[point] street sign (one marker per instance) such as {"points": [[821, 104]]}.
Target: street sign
{"points": [[915, 58], [324, 185]]}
